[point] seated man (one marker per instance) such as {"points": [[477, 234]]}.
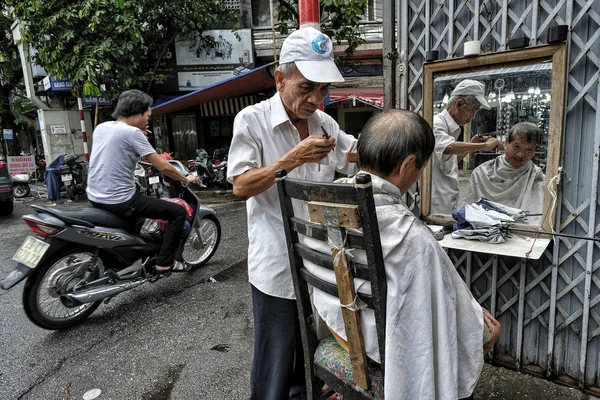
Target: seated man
{"points": [[436, 330], [512, 178]]}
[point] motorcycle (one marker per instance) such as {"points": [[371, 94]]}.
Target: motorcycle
{"points": [[81, 256], [21, 186], [220, 167], [208, 171], [40, 168], [202, 167], [148, 180], [73, 174]]}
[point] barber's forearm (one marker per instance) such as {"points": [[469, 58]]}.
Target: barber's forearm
{"points": [[461, 147], [256, 181]]}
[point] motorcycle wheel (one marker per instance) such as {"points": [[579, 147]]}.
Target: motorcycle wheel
{"points": [[58, 276], [202, 243], [71, 191], [21, 190]]}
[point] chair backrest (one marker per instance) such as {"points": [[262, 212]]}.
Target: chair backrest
{"points": [[343, 216]]}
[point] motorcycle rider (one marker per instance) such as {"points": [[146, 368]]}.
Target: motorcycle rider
{"points": [[118, 145]]}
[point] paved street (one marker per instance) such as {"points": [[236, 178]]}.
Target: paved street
{"points": [[143, 344]]}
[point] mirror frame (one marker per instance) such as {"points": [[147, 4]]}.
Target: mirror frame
{"points": [[557, 54]]}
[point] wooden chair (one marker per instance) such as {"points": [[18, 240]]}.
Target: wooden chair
{"points": [[343, 216]]}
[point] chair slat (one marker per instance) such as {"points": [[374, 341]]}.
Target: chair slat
{"points": [[354, 238], [330, 288], [325, 260], [319, 191]]}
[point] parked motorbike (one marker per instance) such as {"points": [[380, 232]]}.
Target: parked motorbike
{"points": [[21, 186], [148, 180], [211, 171], [220, 167], [40, 168], [80, 256], [202, 167], [73, 174]]}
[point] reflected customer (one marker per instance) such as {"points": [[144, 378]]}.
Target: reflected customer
{"points": [[465, 100], [512, 178]]}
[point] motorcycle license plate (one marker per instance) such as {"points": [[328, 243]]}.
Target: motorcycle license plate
{"points": [[66, 177], [31, 252], [153, 180]]}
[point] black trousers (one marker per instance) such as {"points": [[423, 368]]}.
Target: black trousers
{"points": [[141, 206], [278, 363]]}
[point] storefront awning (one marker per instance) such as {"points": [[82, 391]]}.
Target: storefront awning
{"points": [[372, 96], [247, 83]]}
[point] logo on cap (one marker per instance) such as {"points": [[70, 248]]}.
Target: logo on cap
{"points": [[320, 44]]}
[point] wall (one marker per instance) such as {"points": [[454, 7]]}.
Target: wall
{"points": [[551, 308], [72, 143]]}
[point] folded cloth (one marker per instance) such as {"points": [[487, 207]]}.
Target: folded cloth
{"points": [[517, 214], [475, 222]]}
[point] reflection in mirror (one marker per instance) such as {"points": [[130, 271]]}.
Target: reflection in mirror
{"points": [[497, 155]]}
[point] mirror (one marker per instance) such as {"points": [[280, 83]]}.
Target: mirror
{"points": [[525, 92]]}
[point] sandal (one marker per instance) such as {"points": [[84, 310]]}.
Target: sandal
{"points": [[178, 266]]}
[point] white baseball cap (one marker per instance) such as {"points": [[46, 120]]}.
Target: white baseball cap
{"points": [[470, 87], [312, 51]]}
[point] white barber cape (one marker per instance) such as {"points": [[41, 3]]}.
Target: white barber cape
{"points": [[444, 167], [499, 181], [434, 332]]}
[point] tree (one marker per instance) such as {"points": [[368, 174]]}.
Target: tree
{"points": [[13, 102], [109, 42], [339, 19]]}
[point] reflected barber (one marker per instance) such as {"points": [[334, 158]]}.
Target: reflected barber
{"points": [[465, 100]]}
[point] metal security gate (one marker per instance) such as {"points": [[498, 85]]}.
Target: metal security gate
{"points": [[550, 308]]}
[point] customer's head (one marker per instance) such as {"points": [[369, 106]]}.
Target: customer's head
{"points": [[134, 106], [521, 143], [465, 100], [396, 146], [306, 68]]}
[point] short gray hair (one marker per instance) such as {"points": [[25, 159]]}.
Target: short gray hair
{"points": [[287, 68], [471, 100], [528, 131], [390, 137]]}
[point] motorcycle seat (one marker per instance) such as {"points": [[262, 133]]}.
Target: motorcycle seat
{"points": [[86, 216]]}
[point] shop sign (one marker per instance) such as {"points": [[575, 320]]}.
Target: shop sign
{"points": [[8, 134], [57, 85], [58, 129], [21, 164]]}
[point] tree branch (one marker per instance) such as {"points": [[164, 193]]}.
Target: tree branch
{"points": [[290, 8]]}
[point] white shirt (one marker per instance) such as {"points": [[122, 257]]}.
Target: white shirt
{"points": [[262, 134], [434, 325], [444, 167]]}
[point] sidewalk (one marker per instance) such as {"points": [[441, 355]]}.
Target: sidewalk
{"points": [[495, 383]]}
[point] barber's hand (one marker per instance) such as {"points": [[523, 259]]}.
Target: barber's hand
{"points": [[479, 138], [312, 149], [493, 143]]}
